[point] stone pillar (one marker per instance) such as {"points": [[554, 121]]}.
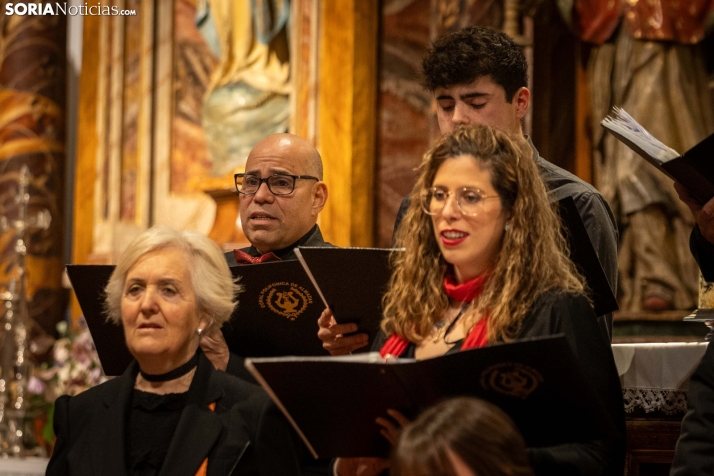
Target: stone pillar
{"points": [[32, 133]]}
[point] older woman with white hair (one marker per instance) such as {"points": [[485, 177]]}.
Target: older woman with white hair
{"points": [[171, 412]]}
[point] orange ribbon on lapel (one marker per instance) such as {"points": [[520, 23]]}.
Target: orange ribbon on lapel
{"points": [[204, 466]]}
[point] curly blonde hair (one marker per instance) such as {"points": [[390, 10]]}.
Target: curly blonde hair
{"points": [[533, 257]]}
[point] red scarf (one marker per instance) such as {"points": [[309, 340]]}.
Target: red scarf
{"points": [[465, 292]]}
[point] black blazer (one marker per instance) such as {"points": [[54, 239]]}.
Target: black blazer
{"points": [[245, 435], [703, 253], [694, 455], [557, 312]]}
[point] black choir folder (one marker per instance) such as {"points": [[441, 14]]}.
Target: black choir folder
{"points": [[351, 282], [583, 254], [88, 282], [694, 169], [277, 313], [333, 401]]}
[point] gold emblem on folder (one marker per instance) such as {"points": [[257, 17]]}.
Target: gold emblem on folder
{"points": [[513, 379], [285, 299]]}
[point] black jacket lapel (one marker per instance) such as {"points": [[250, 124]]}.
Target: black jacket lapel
{"points": [[108, 440], [196, 434], [199, 428]]}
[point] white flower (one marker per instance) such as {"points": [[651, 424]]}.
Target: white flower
{"points": [[61, 353], [36, 386]]}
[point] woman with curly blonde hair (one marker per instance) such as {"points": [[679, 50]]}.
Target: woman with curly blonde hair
{"points": [[519, 248], [485, 262]]}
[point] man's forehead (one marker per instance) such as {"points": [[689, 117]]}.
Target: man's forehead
{"points": [[482, 85], [282, 159]]}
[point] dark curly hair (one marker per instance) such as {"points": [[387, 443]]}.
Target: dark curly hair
{"points": [[470, 53]]}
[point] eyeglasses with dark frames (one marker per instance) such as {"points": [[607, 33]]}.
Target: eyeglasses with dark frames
{"points": [[278, 184]]}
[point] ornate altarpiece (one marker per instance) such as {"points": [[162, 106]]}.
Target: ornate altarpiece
{"points": [[141, 155]]}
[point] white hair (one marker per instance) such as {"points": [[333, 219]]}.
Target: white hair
{"points": [[211, 278]]}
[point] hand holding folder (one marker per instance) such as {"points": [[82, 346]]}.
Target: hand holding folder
{"points": [[703, 213], [335, 338], [333, 402], [351, 283]]}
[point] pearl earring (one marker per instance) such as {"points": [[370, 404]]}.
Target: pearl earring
{"points": [[199, 331], [507, 227]]}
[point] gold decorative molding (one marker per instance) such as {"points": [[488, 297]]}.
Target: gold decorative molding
{"points": [[347, 118]]}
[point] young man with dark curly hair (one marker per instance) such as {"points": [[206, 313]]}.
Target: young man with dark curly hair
{"points": [[480, 76]]}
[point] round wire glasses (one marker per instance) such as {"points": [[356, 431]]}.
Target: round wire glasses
{"points": [[470, 201]]}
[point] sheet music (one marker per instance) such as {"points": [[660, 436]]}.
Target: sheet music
{"points": [[624, 125]]}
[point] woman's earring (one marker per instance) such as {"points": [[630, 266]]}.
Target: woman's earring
{"points": [[507, 227], [199, 331]]}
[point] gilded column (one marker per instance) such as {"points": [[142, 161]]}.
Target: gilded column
{"points": [[32, 133]]}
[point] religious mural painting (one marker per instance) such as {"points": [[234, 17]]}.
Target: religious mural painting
{"points": [[189, 87], [408, 28]]}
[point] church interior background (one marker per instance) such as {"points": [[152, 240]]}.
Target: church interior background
{"points": [[129, 121]]}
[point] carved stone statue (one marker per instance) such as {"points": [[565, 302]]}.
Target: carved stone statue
{"points": [[649, 61]]}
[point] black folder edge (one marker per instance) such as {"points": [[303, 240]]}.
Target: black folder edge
{"points": [[301, 258], [115, 355], [371, 357], [309, 273], [264, 384], [582, 251], [304, 264], [365, 358]]}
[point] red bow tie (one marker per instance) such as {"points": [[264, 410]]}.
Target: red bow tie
{"points": [[244, 258]]}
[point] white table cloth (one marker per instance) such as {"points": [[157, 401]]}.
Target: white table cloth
{"points": [[655, 376]]}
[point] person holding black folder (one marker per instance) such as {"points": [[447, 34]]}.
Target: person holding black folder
{"points": [[479, 75], [694, 454], [171, 412], [484, 263], [281, 196]]}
